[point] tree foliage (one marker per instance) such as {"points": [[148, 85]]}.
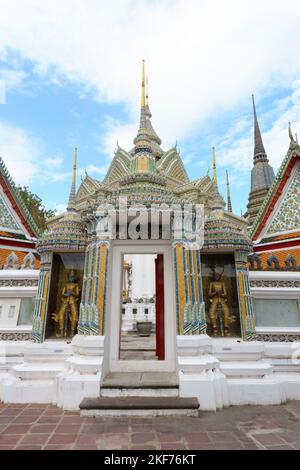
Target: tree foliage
{"points": [[36, 207]]}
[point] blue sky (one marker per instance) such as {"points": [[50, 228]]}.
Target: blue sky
{"points": [[71, 71]]}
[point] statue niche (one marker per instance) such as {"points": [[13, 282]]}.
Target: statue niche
{"points": [[68, 311], [219, 311]]}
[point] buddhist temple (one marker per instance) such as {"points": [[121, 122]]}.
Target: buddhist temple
{"points": [[151, 289]]}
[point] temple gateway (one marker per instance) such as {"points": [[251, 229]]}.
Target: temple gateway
{"points": [[128, 308]]}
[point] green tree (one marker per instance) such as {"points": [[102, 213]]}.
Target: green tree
{"points": [[36, 207]]}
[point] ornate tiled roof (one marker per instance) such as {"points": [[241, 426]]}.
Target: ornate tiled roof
{"points": [[279, 260], [67, 233], [17, 202], [223, 233], [19, 257], [292, 156], [285, 236]]}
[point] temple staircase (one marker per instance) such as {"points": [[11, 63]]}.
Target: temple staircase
{"points": [[139, 394]]}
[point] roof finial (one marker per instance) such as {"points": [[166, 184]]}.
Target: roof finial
{"points": [[215, 182], [143, 101], [229, 205], [293, 141], [259, 149], [73, 186], [147, 90]]}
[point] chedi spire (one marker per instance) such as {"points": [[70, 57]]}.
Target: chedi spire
{"points": [[259, 149], [73, 186], [146, 138]]}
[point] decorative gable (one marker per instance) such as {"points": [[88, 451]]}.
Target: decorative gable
{"points": [[170, 164], [120, 166], [280, 209], [287, 215], [88, 186], [14, 213], [7, 217]]}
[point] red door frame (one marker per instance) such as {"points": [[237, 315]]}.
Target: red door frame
{"points": [[159, 307]]}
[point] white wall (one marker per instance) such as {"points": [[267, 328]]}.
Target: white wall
{"points": [[143, 275]]}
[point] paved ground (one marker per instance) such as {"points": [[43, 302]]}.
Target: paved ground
{"points": [[245, 427], [135, 347]]}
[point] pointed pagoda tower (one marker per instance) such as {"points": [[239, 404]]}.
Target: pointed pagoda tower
{"points": [[262, 174], [218, 203], [229, 204], [147, 143]]}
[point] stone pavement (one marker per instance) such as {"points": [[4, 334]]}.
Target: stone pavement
{"points": [[240, 427]]}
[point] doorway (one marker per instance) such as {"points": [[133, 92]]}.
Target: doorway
{"points": [[142, 307], [160, 368]]}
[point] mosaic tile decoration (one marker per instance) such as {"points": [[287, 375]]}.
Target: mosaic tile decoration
{"points": [[7, 219], [190, 310], [288, 215], [247, 318], [93, 302]]}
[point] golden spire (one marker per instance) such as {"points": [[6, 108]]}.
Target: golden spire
{"points": [[74, 167], [215, 182], [143, 101], [73, 186], [147, 91]]}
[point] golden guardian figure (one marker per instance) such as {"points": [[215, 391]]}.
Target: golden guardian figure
{"points": [[68, 309], [218, 301]]}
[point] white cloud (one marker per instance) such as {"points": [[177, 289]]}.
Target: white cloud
{"points": [[12, 78], [114, 133], [58, 177], [203, 57], [59, 208], [23, 154], [2, 92], [54, 162], [20, 152]]}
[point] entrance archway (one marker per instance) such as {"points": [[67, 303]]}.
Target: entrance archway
{"points": [[138, 372]]}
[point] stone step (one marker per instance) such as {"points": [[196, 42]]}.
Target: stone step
{"points": [[14, 390], [139, 392], [139, 406], [284, 365], [237, 350], [282, 350], [246, 369], [37, 371], [263, 391], [149, 379], [196, 365], [43, 355], [84, 365]]}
